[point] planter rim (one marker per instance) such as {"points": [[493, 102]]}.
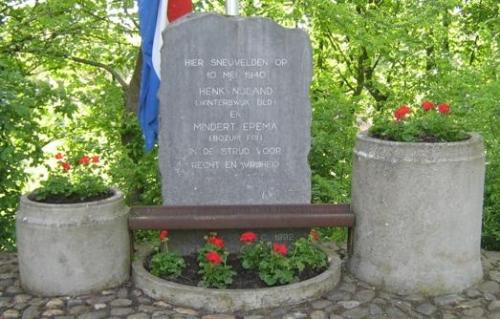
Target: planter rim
{"points": [[473, 138], [117, 195]]}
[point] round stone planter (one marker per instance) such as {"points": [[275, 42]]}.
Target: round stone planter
{"points": [[71, 249], [418, 213], [231, 300]]}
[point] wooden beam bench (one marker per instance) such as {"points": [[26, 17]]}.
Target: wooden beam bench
{"points": [[244, 217]]}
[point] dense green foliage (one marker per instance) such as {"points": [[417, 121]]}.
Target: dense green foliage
{"points": [[67, 77], [167, 264]]}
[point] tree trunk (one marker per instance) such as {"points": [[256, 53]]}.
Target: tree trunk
{"points": [[132, 94]]}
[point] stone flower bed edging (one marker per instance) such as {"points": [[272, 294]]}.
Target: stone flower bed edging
{"points": [[232, 300]]}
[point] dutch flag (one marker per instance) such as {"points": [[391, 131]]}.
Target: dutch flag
{"points": [[154, 15]]}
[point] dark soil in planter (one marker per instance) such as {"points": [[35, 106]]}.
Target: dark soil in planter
{"points": [[72, 199], [244, 279]]}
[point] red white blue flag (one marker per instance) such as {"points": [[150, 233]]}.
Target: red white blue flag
{"points": [[154, 15]]}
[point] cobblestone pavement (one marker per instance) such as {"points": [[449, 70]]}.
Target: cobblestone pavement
{"points": [[351, 299]]}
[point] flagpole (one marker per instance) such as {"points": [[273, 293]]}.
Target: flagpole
{"points": [[232, 7]]}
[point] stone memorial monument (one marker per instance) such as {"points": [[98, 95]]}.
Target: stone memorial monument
{"points": [[235, 117]]}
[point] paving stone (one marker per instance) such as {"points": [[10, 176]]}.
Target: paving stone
{"points": [[414, 298], [138, 316], [136, 292], [395, 313], [122, 293], [449, 316], [379, 301], [31, 312], [79, 309], [279, 312], [426, 309], [339, 296], [473, 293], [144, 300], [147, 308], [489, 297], [6, 283], [161, 315], [348, 287], [494, 305], [107, 292], [494, 256], [364, 295], [74, 302], [186, 311], [335, 317], [120, 302], [162, 304], [10, 313], [375, 310], [13, 290], [318, 314], [122, 311], [491, 287], [22, 298], [99, 306], [64, 317], [448, 300], [495, 315], [321, 304], [494, 275], [53, 312], [54, 303], [474, 312], [349, 304], [469, 304], [294, 315], [356, 313], [218, 317], [8, 275], [101, 314]]}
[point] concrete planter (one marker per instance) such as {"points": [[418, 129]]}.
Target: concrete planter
{"points": [[418, 213], [232, 300], [71, 249]]}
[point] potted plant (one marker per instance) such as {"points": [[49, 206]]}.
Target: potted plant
{"points": [[72, 232], [417, 192]]}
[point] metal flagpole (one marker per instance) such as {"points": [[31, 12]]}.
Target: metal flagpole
{"points": [[232, 7]]}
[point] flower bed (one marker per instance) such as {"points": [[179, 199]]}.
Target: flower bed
{"points": [[242, 280]]}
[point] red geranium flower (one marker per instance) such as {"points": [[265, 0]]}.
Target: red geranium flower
{"points": [[85, 160], [427, 105], [163, 235], [401, 112], [213, 257], [59, 156], [95, 159], [280, 249], [444, 108], [314, 234], [65, 166], [216, 241], [248, 237]]}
